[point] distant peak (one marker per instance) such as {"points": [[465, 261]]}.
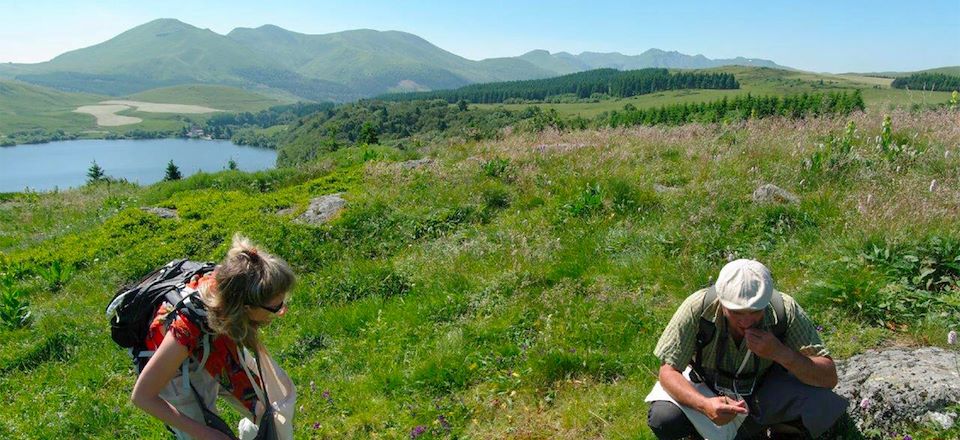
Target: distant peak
{"points": [[537, 52]]}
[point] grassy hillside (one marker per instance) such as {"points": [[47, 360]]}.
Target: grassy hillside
{"points": [[219, 97], [877, 93], [25, 107], [512, 288]]}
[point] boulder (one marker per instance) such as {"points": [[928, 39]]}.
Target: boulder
{"points": [[769, 193], [161, 212], [322, 209], [890, 387], [663, 189]]}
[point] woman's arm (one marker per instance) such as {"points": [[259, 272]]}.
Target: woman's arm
{"points": [[159, 371]]}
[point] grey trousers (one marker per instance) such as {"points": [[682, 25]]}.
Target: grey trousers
{"points": [[781, 398]]}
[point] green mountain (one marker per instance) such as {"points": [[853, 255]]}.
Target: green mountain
{"points": [[370, 60], [270, 60]]}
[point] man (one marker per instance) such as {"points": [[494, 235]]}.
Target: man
{"points": [[759, 362]]}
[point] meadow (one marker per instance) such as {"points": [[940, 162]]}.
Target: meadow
{"points": [[512, 288], [877, 93]]}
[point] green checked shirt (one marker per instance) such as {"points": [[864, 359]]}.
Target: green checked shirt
{"points": [[678, 342]]}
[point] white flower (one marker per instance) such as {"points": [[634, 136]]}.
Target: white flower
{"points": [[952, 337], [933, 185]]}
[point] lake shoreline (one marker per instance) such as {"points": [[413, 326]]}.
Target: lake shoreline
{"points": [[62, 165]]}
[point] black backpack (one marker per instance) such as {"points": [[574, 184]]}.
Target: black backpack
{"points": [[707, 329], [133, 306]]}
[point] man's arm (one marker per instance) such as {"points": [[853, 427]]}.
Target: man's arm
{"points": [[818, 371], [720, 410]]}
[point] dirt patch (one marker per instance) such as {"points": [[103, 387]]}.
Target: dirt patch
{"points": [[152, 107], [106, 115], [105, 112]]}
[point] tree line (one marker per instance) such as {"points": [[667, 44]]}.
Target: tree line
{"points": [[739, 108], [937, 82], [609, 82], [412, 123]]}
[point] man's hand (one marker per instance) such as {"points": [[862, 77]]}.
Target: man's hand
{"points": [[764, 344], [722, 410]]}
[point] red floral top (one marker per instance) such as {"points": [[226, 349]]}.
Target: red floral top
{"points": [[223, 362]]}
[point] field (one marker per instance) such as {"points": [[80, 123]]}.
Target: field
{"points": [[511, 289], [877, 93], [26, 107]]}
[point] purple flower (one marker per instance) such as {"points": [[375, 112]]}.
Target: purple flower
{"points": [[326, 396], [417, 431], [443, 422], [865, 404], [819, 328], [316, 425], [907, 437], [952, 337]]}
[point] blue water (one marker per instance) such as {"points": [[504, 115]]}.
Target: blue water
{"points": [[62, 165]]}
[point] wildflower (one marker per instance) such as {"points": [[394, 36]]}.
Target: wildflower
{"points": [[443, 422], [316, 425], [907, 437], [313, 386], [819, 329], [326, 396], [933, 185], [952, 337], [865, 404], [417, 431]]}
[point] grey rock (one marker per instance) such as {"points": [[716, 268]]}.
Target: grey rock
{"points": [[415, 164], [769, 193], [322, 209], [161, 212], [663, 189], [941, 420], [891, 387]]}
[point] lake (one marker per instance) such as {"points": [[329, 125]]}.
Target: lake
{"points": [[45, 167]]}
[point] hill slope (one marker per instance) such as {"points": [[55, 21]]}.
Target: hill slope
{"points": [[508, 289]]}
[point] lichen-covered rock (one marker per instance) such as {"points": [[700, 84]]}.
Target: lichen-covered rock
{"points": [[161, 212], [322, 209], [769, 193], [891, 387]]}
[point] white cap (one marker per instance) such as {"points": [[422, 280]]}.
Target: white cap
{"points": [[744, 285]]}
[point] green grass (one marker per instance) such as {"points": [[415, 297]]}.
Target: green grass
{"points": [[515, 287], [219, 97], [877, 93], [26, 107]]}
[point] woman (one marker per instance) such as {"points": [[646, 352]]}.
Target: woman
{"points": [[192, 365]]}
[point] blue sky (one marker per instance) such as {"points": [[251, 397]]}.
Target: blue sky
{"points": [[824, 36]]}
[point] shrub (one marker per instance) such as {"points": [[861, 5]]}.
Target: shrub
{"points": [[56, 275], [14, 310]]}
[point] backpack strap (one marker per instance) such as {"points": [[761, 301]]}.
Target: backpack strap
{"points": [[705, 332], [780, 328]]}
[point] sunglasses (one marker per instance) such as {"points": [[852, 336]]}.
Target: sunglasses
{"points": [[273, 310]]}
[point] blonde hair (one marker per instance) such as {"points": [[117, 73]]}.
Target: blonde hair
{"points": [[248, 276]]}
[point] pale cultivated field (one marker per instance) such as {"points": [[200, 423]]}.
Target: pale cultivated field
{"points": [[153, 107], [106, 115], [105, 112]]}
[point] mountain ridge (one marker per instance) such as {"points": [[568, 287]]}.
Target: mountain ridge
{"points": [[338, 66]]}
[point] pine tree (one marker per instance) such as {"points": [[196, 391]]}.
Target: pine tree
{"points": [[368, 134], [173, 173], [95, 173]]}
